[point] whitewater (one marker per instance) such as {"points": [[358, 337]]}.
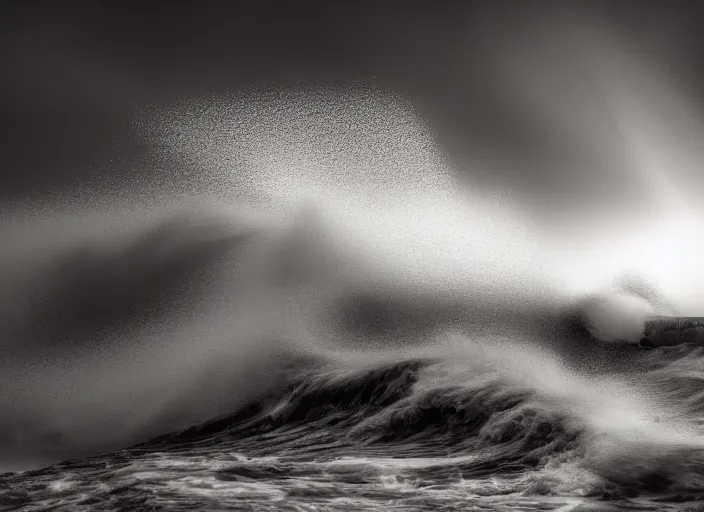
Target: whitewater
{"points": [[308, 306]]}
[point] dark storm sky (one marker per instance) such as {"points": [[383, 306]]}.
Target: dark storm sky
{"points": [[72, 77]]}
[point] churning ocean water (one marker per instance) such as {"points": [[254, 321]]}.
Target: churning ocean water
{"points": [[306, 306]]}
